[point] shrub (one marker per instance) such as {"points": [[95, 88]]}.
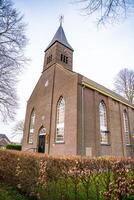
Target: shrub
{"points": [[14, 147], [68, 178], [19, 170], [10, 193]]}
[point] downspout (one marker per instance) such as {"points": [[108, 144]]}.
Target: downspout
{"points": [[50, 127], [130, 137], [122, 140], [83, 128]]}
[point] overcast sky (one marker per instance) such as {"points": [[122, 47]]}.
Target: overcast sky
{"points": [[99, 53]]}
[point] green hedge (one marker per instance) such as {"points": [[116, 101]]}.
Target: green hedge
{"points": [[68, 178], [14, 147], [10, 193]]}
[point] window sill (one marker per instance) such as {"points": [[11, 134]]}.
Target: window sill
{"points": [[59, 142], [104, 144], [128, 145]]}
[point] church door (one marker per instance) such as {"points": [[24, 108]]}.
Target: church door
{"points": [[41, 140]]}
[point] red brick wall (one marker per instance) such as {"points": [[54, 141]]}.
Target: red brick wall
{"points": [[43, 99], [56, 50], [66, 86], [83, 139], [117, 146]]}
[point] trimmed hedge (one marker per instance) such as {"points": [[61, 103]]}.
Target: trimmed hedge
{"points": [[68, 178], [14, 147], [10, 193]]}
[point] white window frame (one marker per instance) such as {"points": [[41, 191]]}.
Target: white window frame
{"points": [[103, 123], [60, 118], [31, 127], [126, 127]]}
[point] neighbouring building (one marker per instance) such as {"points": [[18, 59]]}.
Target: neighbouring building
{"points": [[69, 114], [4, 140]]}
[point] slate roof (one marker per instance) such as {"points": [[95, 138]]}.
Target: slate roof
{"points": [[93, 85], [3, 136], [61, 38]]}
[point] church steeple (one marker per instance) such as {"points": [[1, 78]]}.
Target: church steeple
{"points": [[61, 38], [59, 51]]}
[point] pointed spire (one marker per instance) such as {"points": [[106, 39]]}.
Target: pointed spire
{"points": [[60, 37], [61, 19]]}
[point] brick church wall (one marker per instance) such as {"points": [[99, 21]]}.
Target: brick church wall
{"points": [[116, 146], [66, 86], [40, 100], [43, 99]]}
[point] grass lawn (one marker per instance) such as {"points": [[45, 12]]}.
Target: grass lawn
{"points": [[9, 193]]}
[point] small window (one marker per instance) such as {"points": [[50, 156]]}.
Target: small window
{"points": [[61, 57], [31, 127], [103, 123], [66, 60], [126, 127]]}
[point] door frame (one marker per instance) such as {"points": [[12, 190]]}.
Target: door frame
{"points": [[42, 134]]}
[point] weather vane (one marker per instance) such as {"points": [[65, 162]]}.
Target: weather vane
{"points": [[61, 19]]}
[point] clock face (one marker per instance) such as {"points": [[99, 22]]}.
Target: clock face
{"points": [[46, 83]]}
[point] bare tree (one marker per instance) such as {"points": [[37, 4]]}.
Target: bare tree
{"points": [[107, 10], [18, 128], [12, 44], [124, 84]]}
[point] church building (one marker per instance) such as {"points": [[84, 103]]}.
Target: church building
{"points": [[69, 114]]}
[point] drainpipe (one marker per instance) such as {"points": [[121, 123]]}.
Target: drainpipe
{"points": [[50, 122], [122, 140], [82, 117], [132, 142]]}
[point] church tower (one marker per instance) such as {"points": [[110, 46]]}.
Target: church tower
{"points": [[59, 51]]}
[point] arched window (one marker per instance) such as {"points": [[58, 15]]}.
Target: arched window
{"points": [[103, 123], [126, 127], [31, 127], [60, 120]]}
